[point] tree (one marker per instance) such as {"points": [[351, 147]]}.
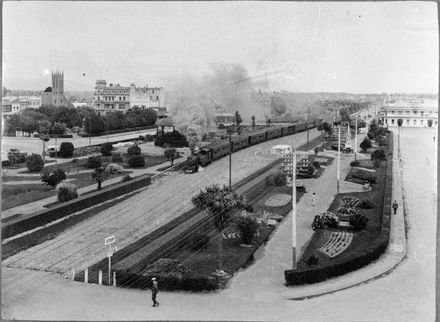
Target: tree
{"points": [[277, 105], [34, 162], [238, 118], [99, 175], [219, 203], [94, 123], [253, 122], [327, 128], [58, 128], [170, 154], [365, 144], [268, 122], [106, 149]]}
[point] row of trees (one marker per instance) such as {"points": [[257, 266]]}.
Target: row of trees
{"points": [[55, 120]]}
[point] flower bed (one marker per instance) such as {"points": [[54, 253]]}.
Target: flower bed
{"points": [[337, 243], [366, 245]]}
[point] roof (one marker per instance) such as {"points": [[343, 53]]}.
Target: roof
{"points": [[167, 121]]}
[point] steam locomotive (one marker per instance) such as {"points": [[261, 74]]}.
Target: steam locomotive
{"points": [[214, 151]]}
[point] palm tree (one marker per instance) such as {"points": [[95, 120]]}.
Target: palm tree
{"points": [[219, 203]]}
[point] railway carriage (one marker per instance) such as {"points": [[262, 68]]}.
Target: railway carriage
{"points": [[273, 133], [240, 142], [257, 137]]}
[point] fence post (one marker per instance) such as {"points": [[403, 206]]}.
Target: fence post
{"points": [[100, 278], [114, 278], [86, 275], [73, 274]]}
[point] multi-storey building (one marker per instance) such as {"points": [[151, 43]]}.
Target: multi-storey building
{"points": [[410, 113], [54, 96], [121, 98], [146, 97]]}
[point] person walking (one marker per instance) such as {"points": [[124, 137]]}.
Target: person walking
{"points": [[395, 206], [313, 199], [154, 290]]}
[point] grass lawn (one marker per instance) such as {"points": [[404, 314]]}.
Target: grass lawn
{"points": [[16, 195], [313, 143]]}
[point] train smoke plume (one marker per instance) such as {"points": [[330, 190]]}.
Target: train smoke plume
{"points": [[194, 101]]}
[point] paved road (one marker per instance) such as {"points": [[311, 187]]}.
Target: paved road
{"points": [[82, 245], [35, 145]]}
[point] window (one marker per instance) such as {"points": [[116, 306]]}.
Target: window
{"points": [[407, 121], [392, 121], [392, 112], [153, 91], [399, 112], [157, 97], [407, 112], [421, 122], [414, 122], [415, 112], [151, 98]]}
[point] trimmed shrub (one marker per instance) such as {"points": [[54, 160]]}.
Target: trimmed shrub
{"points": [[199, 240], [280, 179], [354, 163], [34, 162], [365, 144], [117, 157], [16, 157], [248, 226], [312, 260], [93, 162], [53, 179], [325, 220], [66, 191], [66, 149], [136, 161], [378, 155], [6, 163], [133, 150], [370, 135], [106, 149], [359, 222], [366, 204], [126, 177], [114, 168], [316, 165]]}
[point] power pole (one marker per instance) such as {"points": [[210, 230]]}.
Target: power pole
{"points": [[308, 118], [294, 208], [355, 136], [339, 158]]}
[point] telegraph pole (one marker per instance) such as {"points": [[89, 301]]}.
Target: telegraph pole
{"points": [[308, 118], [339, 158], [355, 136], [294, 208]]}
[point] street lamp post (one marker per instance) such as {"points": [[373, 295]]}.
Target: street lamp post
{"points": [[339, 158], [230, 131], [355, 137]]}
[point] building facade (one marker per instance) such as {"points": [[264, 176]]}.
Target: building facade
{"points": [[55, 95], [146, 97], [409, 113], [120, 98]]}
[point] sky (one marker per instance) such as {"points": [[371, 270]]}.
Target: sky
{"points": [[293, 46]]}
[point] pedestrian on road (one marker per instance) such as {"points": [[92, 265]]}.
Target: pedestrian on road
{"points": [[433, 138], [313, 199], [154, 290], [395, 206]]}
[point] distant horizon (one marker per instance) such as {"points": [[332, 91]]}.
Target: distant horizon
{"points": [[353, 47]]}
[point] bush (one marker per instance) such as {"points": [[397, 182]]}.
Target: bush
{"points": [[354, 163], [134, 150], [6, 163], [248, 226], [136, 161], [106, 149], [312, 260], [16, 157], [280, 179], [199, 240], [34, 162], [370, 135], [166, 265], [316, 165], [66, 191], [359, 222], [365, 144], [114, 168], [66, 149], [117, 157], [325, 220], [93, 162], [53, 179], [366, 204], [126, 178], [378, 155]]}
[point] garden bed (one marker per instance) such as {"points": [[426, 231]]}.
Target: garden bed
{"points": [[365, 246]]}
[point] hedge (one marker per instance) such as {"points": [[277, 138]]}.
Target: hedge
{"points": [[19, 223], [86, 135], [170, 282], [373, 251]]}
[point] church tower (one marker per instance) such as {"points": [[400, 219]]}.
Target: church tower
{"points": [[58, 83]]}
